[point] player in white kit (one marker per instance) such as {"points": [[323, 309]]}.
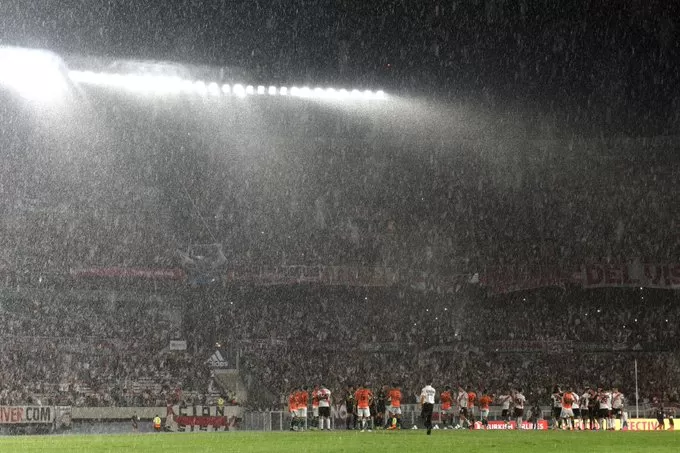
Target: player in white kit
{"points": [[462, 401], [505, 401], [427, 404], [617, 406], [324, 408], [576, 407], [604, 415], [519, 400]]}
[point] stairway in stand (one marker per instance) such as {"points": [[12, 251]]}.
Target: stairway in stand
{"points": [[230, 380]]}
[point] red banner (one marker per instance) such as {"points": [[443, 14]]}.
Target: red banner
{"points": [[508, 279], [498, 424], [215, 422], [202, 418], [665, 276], [129, 272], [10, 415]]}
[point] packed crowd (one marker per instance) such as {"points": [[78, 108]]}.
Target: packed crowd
{"points": [[608, 318], [57, 350], [327, 315], [315, 334], [114, 352]]}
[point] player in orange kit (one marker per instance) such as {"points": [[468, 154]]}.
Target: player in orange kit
{"points": [[302, 403], [567, 414], [292, 409], [394, 409], [471, 398], [484, 402], [315, 407], [363, 398], [446, 400]]}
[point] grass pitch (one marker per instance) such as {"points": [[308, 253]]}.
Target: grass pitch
{"points": [[351, 441]]}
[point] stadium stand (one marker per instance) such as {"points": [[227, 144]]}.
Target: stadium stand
{"points": [[323, 189]]}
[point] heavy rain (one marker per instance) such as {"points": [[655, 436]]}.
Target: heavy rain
{"points": [[248, 223]]}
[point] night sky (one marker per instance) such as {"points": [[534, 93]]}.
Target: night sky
{"points": [[620, 63]]}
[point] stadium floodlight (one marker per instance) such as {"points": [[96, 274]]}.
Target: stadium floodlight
{"points": [[140, 83], [272, 91], [200, 88], [319, 93], [260, 90], [114, 80], [36, 75], [213, 89], [304, 92], [226, 89], [239, 90], [283, 91], [250, 90], [88, 77], [103, 79], [187, 86], [174, 84]]}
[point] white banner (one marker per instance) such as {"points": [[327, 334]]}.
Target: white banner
{"points": [[178, 345]]}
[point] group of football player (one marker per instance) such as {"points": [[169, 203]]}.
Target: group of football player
{"points": [[458, 408], [298, 405], [588, 409], [367, 410], [592, 408]]}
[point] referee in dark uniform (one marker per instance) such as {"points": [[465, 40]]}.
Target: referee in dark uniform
{"points": [[427, 403]]}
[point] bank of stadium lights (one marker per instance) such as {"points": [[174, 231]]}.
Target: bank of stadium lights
{"points": [[164, 85]]}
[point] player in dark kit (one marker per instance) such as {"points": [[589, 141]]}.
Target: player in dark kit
{"points": [[135, 423], [350, 405], [536, 415], [556, 409], [380, 406], [373, 409], [593, 409], [660, 416]]}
